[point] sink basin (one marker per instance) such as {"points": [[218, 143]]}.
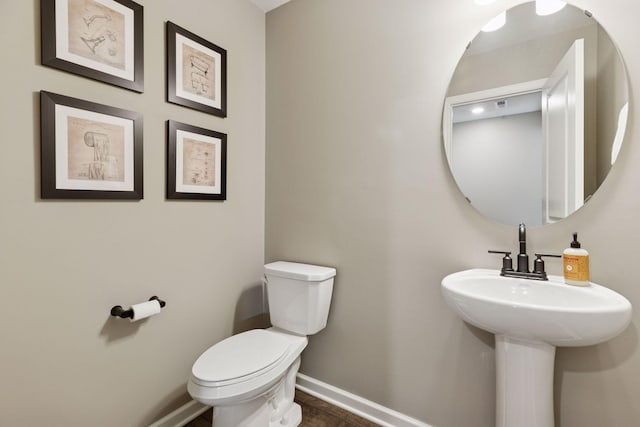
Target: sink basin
{"points": [[530, 318], [547, 311]]}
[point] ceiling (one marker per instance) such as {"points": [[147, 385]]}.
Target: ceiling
{"points": [[499, 107], [267, 5]]}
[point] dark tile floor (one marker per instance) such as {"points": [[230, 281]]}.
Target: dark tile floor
{"points": [[315, 413]]}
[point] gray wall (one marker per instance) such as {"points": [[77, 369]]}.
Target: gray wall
{"points": [[63, 264], [497, 163], [357, 179]]}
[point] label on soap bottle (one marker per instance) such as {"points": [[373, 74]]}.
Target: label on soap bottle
{"points": [[576, 267]]}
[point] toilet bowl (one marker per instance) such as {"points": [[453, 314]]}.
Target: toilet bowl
{"points": [[249, 378]]}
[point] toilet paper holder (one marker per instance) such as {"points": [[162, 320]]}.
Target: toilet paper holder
{"points": [[118, 311]]}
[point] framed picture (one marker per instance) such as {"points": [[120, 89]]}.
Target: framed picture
{"points": [[196, 163], [98, 39], [196, 72], [89, 150]]}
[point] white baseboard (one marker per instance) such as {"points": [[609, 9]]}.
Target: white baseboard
{"points": [[187, 412], [355, 404], [343, 399]]}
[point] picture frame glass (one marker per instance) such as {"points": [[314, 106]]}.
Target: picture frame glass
{"points": [[94, 151], [89, 150], [97, 34], [198, 163], [198, 72], [101, 40]]}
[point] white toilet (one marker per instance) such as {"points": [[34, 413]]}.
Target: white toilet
{"points": [[250, 378]]}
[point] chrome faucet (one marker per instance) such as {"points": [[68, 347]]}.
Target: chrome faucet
{"points": [[522, 270]]}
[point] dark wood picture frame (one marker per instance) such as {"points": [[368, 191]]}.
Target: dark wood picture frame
{"points": [[98, 46], [89, 150], [190, 150], [202, 83]]}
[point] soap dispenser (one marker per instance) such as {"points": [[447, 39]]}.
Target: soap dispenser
{"points": [[576, 264]]}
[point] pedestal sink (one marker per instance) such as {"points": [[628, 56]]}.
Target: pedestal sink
{"points": [[529, 319]]}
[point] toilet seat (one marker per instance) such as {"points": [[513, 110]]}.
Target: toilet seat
{"points": [[252, 371], [239, 358]]}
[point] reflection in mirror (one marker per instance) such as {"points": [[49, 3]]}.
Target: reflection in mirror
{"points": [[535, 115]]}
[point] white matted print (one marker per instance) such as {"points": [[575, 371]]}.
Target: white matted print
{"points": [[196, 72], [196, 167], [100, 39], [94, 34], [89, 150], [93, 151]]}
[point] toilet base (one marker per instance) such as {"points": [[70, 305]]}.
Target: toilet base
{"points": [[292, 418], [274, 408], [257, 415]]}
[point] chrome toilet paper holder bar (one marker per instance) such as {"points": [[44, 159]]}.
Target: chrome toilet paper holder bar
{"points": [[118, 311]]}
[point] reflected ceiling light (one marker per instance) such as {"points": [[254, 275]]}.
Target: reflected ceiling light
{"points": [[483, 2], [547, 7], [496, 23], [477, 110]]}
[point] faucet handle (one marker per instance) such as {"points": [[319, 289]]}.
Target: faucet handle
{"points": [[507, 261], [538, 264]]}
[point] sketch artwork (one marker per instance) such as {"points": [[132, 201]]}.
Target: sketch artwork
{"points": [[198, 72], [196, 162], [96, 150], [97, 32], [199, 160], [89, 150]]}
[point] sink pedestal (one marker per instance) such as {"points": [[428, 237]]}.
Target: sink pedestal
{"points": [[524, 383], [544, 315]]}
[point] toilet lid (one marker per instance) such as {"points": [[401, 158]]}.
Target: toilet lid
{"points": [[240, 356]]}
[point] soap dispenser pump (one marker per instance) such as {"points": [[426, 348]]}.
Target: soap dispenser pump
{"points": [[576, 264]]}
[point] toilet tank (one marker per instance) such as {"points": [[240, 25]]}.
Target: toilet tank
{"points": [[299, 296]]}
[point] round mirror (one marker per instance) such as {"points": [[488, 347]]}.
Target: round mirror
{"points": [[535, 114]]}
